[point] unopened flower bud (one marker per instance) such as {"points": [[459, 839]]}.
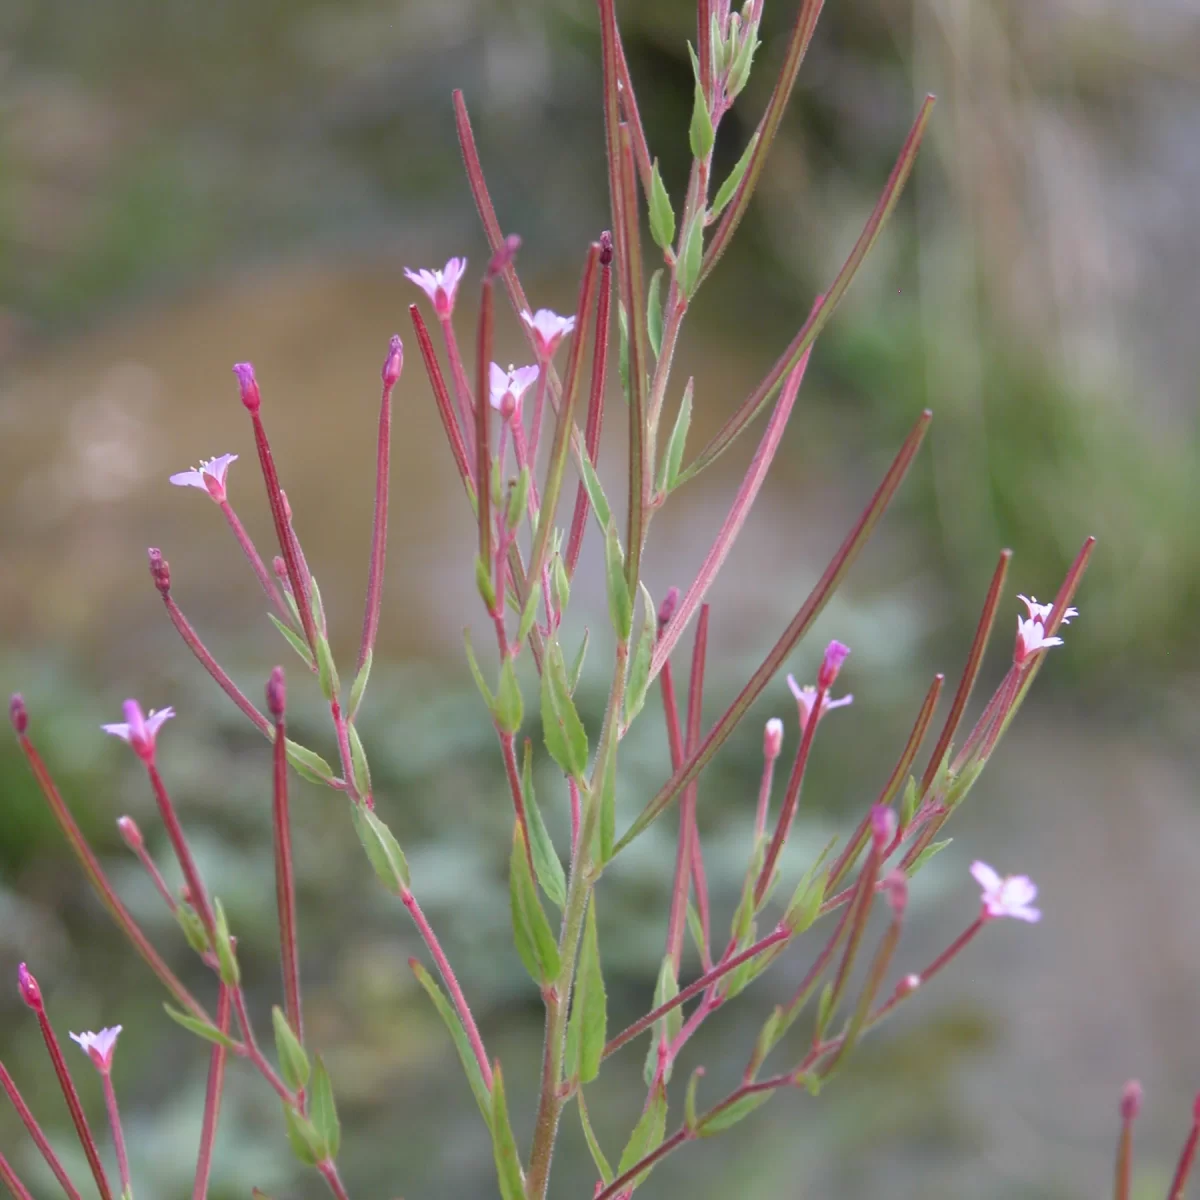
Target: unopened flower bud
{"points": [[276, 694], [883, 827], [895, 891], [131, 835], [18, 713], [1131, 1100], [835, 654], [280, 568], [666, 610], [249, 386], [160, 571], [504, 255], [606, 249], [772, 739], [909, 984], [30, 992], [287, 508], [394, 363]]}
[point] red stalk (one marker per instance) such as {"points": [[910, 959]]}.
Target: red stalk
{"points": [[265, 579], [9, 1178], [441, 397], [212, 1100], [39, 1138], [285, 886]]}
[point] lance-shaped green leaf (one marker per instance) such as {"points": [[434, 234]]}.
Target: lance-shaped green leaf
{"points": [[595, 492], [360, 684], [654, 312], [534, 938], [382, 849], [606, 824], [323, 1111], [620, 604], [193, 929], [689, 1100], [592, 1143], [824, 1011], [753, 404], [926, 854], [307, 1143], [809, 610], [589, 1007], [546, 862], [576, 672], [358, 762], [908, 803], [565, 736], [623, 349], [293, 1062], [687, 271], [668, 471], [767, 1037], [805, 906], [700, 129], [647, 1134], [666, 1028], [458, 1034], [739, 70], [202, 1029], [509, 709], [726, 1115], [733, 179], [504, 1145], [518, 498], [294, 640], [308, 763], [560, 583], [327, 675], [639, 665], [226, 957], [662, 215], [477, 674]]}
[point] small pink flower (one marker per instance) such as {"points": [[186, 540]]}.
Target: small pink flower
{"points": [[1031, 637], [440, 286], [99, 1047], [507, 387], [209, 475], [883, 827], [836, 653], [806, 697], [248, 385], [1041, 612], [1012, 896], [548, 329], [138, 730]]}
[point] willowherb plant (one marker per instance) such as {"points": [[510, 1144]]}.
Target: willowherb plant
{"points": [[513, 434]]}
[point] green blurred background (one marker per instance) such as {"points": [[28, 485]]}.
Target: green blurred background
{"points": [[184, 186]]}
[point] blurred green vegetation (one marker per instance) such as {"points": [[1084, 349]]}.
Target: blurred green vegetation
{"points": [[153, 152]]}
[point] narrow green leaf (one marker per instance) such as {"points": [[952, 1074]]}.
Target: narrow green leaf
{"points": [[647, 1134], [722, 1118], [623, 350], [654, 312], [767, 1037], [327, 675], [193, 929], [458, 1034], [577, 665], [700, 130], [638, 682], [193, 1025], [546, 863], [504, 1145], [739, 71], [908, 803], [477, 674], [963, 782], [323, 1111], [358, 762], [668, 471], [518, 498], [559, 583], [294, 640], [662, 215], [309, 763], [306, 1141], [591, 484], [607, 824], [806, 903], [528, 614], [382, 849], [293, 1062], [689, 1099], [620, 606], [589, 1007], [227, 959], [687, 271], [726, 190], [666, 1029], [696, 929], [926, 854], [535, 940], [565, 736], [824, 1011], [483, 582], [360, 684], [592, 1144], [509, 709]]}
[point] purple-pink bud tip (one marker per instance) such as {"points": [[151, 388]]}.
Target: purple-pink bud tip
{"points": [[883, 827], [835, 654], [394, 363], [666, 610], [30, 992], [606, 249], [504, 255], [131, 835], [249, 386], [1131, 1100], [18, 713], [276, 694], [160, 571], [772, 739], [895, 890]]}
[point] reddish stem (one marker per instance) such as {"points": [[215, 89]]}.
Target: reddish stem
{"points": [[1187, 1157], [212, 1100], [118, 1134], [9, 1178], [462, 388], [265, 578], [249, 1049], [441, 396], [285, 886], [39, 1138], [329, 1173], [197, 894], [694, 717]]}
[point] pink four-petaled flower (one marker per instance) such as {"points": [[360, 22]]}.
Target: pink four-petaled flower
{"points": [[99, 1047], [440, 286], [806, 697], [1010, 896], [507, 387], [138, 730], [209, 475], [1031, 637], [548, 329], [1041, 612]]}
